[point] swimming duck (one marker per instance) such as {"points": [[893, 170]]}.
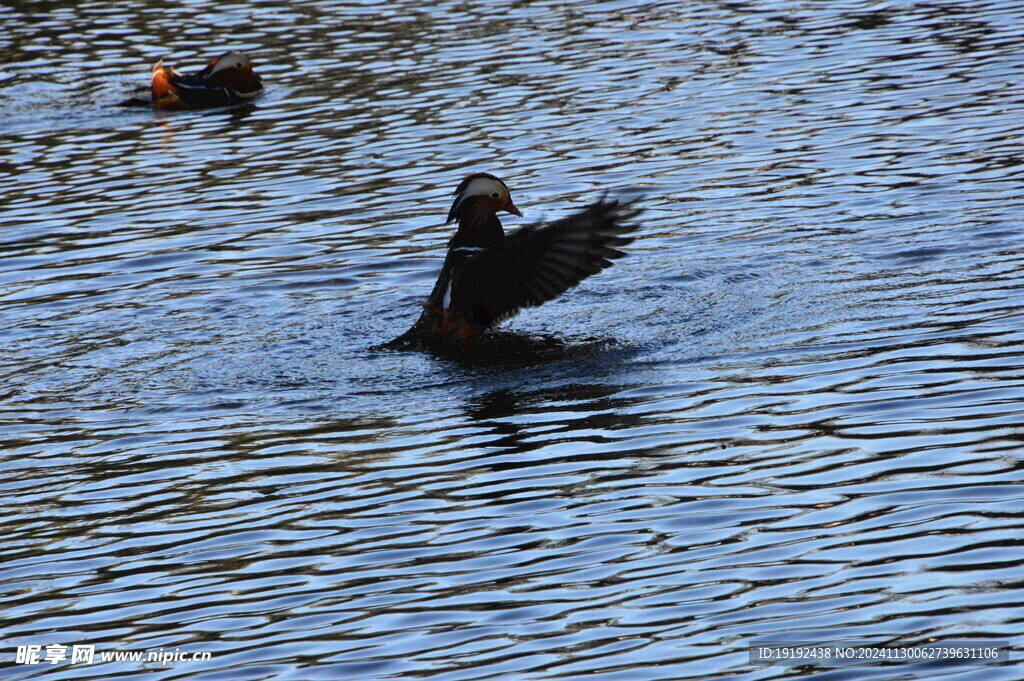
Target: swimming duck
{"points": [[489, 277], [226, 80]]}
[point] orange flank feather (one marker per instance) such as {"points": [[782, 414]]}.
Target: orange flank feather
{"points": [[447, 325], [165, 95]]}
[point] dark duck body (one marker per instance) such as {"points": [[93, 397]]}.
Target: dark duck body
{"points": [[489, 276], [227, 80]]}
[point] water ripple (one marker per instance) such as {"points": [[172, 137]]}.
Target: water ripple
{"points": [[796, 411]]}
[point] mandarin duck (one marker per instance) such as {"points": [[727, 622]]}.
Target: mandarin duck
{"points": [[226, 80], [488, 276]]}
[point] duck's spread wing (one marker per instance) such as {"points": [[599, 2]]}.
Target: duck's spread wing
{"points": [[537, 263]]}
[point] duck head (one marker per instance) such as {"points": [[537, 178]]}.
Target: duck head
{"points": [[483, 191], [233, 70]]}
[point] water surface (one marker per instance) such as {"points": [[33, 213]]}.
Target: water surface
{"points": [[795, 409]]}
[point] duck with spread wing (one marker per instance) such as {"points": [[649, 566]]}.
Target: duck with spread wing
{"points": [[488, 276]]}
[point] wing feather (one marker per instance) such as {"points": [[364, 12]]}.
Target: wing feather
{"points": [[539, 262]]}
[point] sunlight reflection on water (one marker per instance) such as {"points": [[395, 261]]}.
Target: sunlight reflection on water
{"points": [[795, 408]]}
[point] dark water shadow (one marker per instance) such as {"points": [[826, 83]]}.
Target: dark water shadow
{"points": [[567, 408]]}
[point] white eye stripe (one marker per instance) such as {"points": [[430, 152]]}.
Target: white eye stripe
{"points": [[483, 186], [231, 60]]}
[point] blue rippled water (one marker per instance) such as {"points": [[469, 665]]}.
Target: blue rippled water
{"points": [[795, 410]]}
